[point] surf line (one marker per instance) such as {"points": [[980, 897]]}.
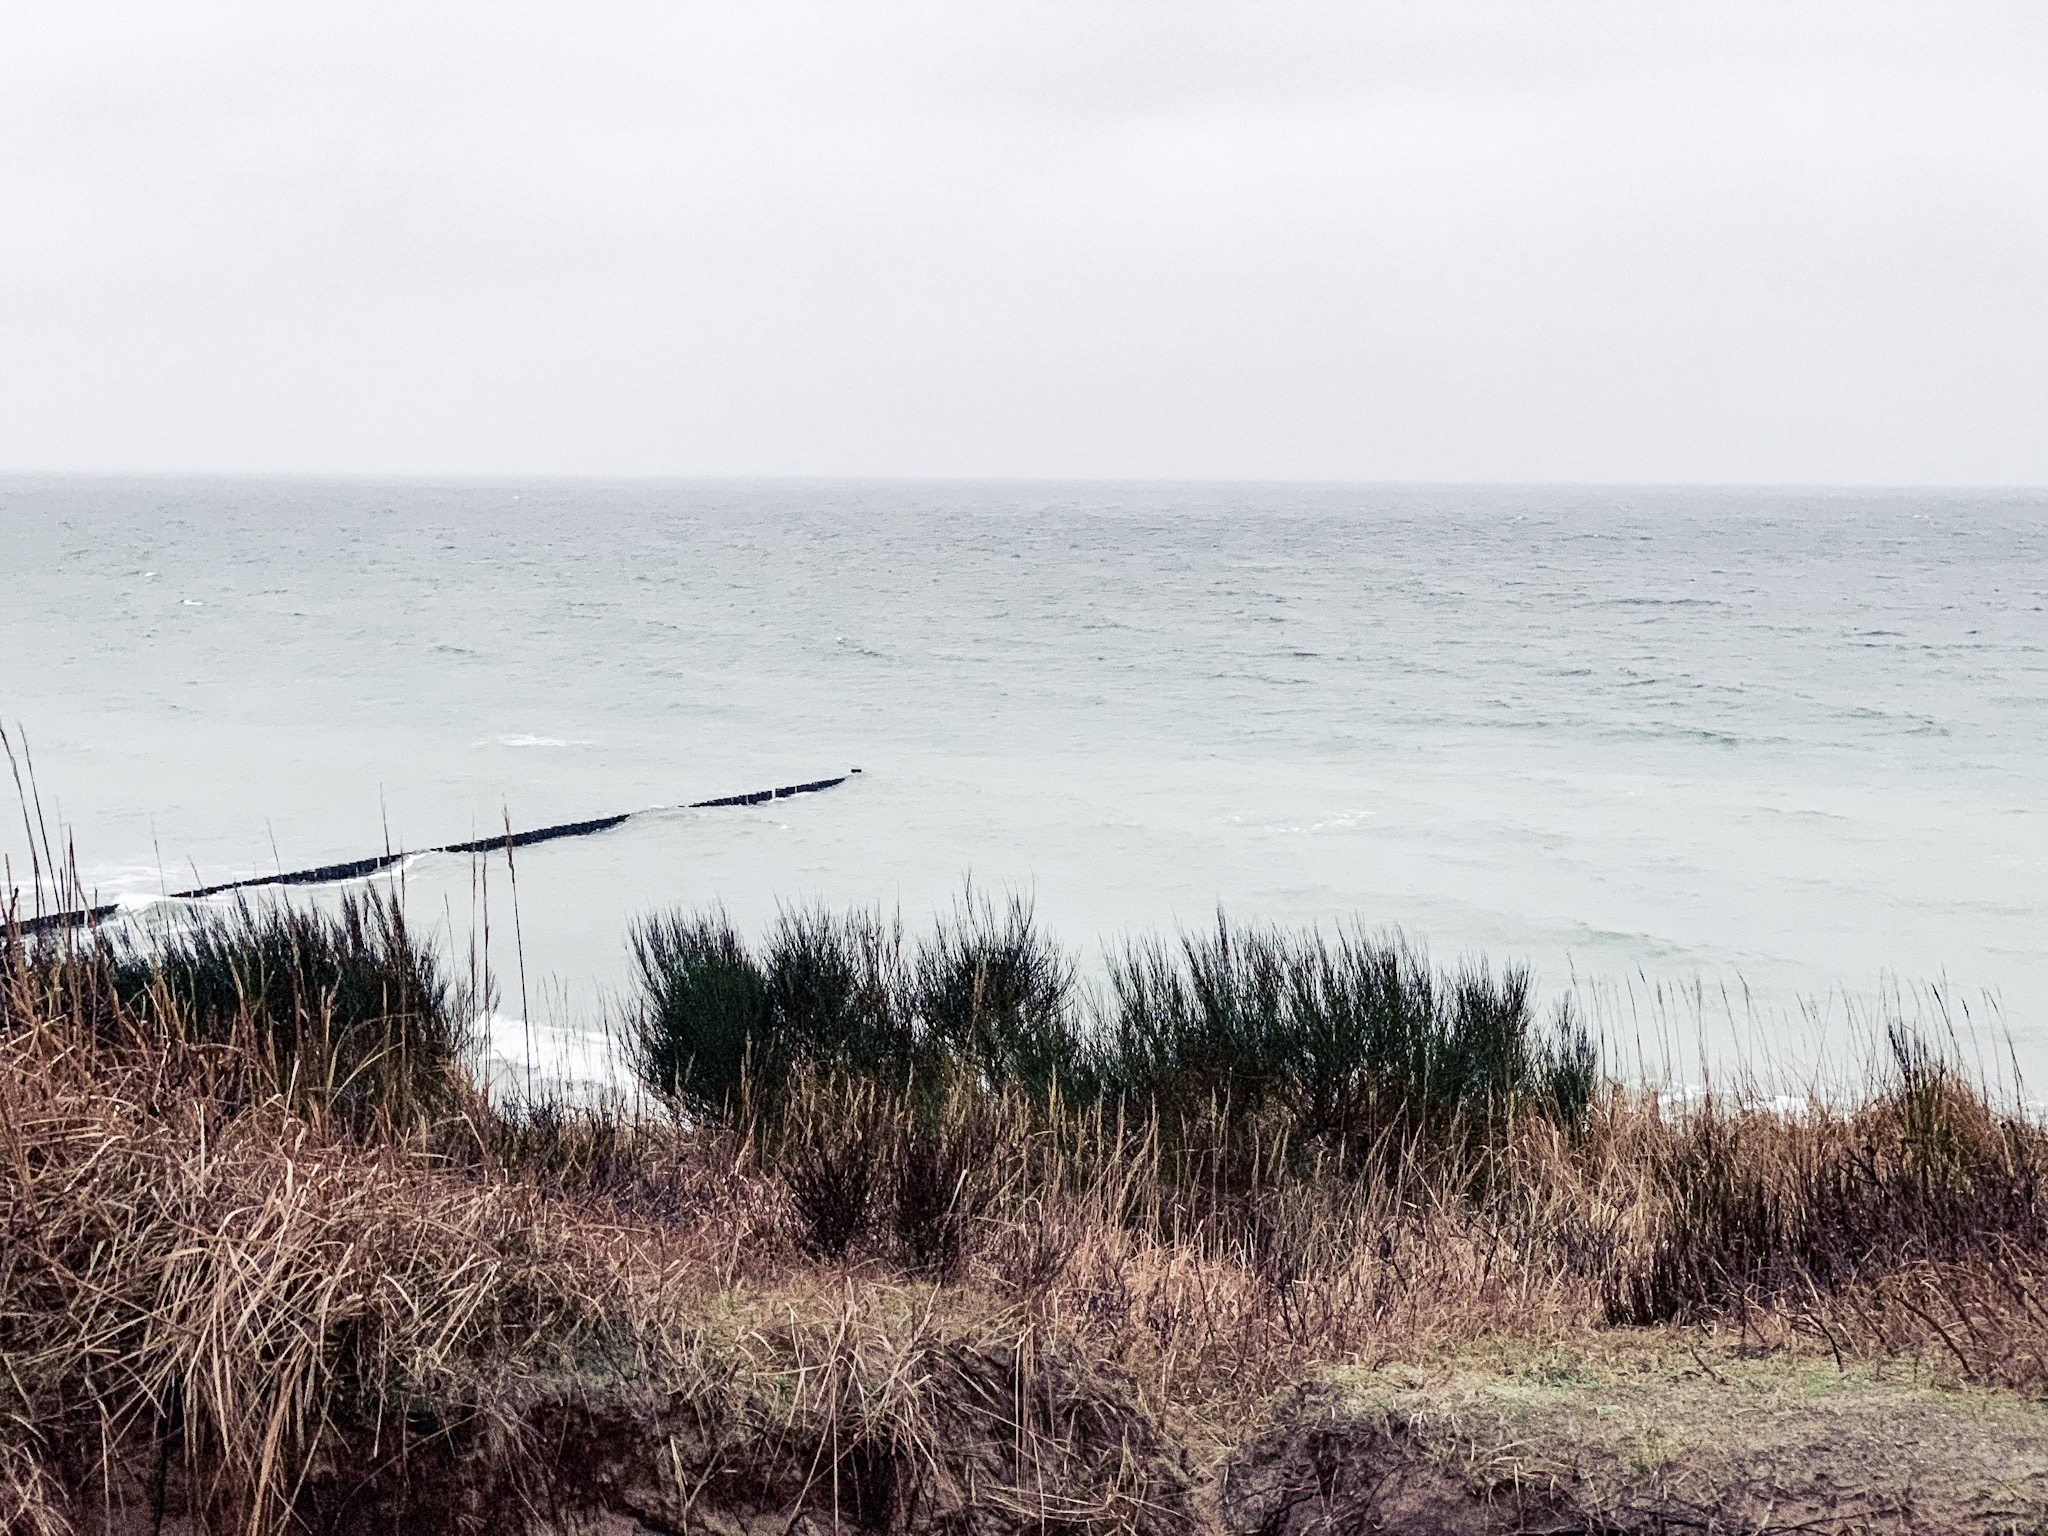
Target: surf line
{"points": [[357, 869]]}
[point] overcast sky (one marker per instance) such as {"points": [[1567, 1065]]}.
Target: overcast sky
{"points": [[1528, 241]]}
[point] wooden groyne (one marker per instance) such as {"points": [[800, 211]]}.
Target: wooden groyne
{"points": [[358, 869]]}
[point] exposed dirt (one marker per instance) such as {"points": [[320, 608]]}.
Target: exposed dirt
{"points": [[961, 1438], [1617, 1433], [1636, 1439], [1048, 1445]]}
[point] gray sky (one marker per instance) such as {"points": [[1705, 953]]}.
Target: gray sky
{"points": [[1528, 241]]}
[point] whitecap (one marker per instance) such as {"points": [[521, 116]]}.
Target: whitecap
{"points": [[523, 739]]}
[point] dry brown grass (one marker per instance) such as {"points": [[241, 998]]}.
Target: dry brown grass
{"points": [[225, 1306]]}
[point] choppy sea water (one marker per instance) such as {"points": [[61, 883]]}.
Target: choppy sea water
{"points": [[1778, 751]]}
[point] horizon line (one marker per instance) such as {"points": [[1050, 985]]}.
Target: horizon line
{"points": [[591, 477]]}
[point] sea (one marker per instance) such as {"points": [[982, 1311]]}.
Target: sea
{"points": [[1727, 769]]}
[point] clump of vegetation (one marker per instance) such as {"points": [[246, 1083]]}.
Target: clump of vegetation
{"points": [[347, 1004], [703, 1029], [993, 1002], [1357, 1043], [1925, 1179], [719, 1024], [987, 999], [835, 994]]}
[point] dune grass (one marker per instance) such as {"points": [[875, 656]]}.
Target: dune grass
{"points": [[914, 1234], [346, 1002]]}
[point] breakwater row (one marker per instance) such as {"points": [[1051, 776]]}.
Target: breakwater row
{"points": [[358, 869]]}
